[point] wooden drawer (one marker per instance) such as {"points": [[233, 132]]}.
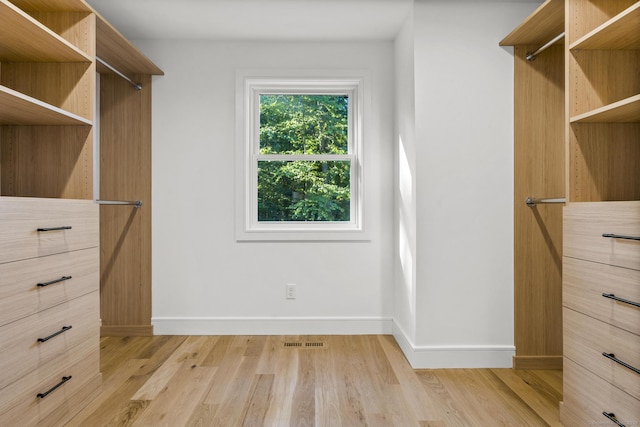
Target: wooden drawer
{"points": [[587, 396], [21, 218], [21, 351], [584, 283], [20, 295], [585, 341], [584, 226], [21, 406]]}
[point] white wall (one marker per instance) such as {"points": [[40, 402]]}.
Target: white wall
{"points": [[204, 282], [463, 177]]}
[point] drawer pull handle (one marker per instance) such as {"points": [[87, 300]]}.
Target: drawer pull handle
{"points": [[626, 301], [64, 227], [612, 417], [620, 362], [618, 236], [62, 279], [64, 329], [46, 393]]}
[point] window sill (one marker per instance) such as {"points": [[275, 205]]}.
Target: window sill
{"points": [[302, 236]]}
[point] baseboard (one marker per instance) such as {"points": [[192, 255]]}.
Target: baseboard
{"points": [[271, 325], [126, 330], [450, 356], [537, 362]]}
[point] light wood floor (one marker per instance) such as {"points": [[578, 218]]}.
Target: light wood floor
{"points": [[348, 381]]}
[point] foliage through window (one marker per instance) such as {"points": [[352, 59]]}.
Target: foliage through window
{"points": [[301, 189]]}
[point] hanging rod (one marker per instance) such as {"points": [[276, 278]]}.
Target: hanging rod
{"points": [[532, 201], [136, 203], [532, 56], [138, 86]]}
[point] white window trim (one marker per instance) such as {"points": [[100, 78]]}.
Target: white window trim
{"points": [[249, 86]]}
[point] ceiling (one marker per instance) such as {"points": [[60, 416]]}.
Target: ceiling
{"points": [[304, 20]]}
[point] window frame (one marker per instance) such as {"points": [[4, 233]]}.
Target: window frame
{"points": [[248, 124]]}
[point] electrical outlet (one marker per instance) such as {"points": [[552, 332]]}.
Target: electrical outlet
{"points": [[290, 291]]}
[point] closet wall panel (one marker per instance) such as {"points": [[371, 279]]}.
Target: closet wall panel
{"points": [[539, 172], [125, 231]]}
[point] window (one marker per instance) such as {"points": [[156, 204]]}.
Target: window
{"points": [[302, 165]]}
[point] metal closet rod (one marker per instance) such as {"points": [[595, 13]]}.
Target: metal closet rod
{"points": [[136, 203], [532, 56], [138, 86], [532, 201]]}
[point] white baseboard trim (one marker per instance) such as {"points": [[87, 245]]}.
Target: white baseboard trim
{"points": [[454, 356], [272, 325]]}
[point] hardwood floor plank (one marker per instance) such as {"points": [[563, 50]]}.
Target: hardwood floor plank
{"points": [[259, 402], [286, 369], [175, 403], [193, 349], [303, 407]]}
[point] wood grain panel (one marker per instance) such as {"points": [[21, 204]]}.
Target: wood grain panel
{"points": [[21, 352], [120, 53], [603, 162], [20, 296], [620, 32], [53, 5], [586, 396], [125, 231], [19, 109], [624, 111], [587, 338], [586, 15], [545, 23], [584, 284], [23, 38], [22, 217], [539, 172], [20, 406], [585, 224]]}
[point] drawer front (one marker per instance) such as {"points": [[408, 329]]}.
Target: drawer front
{"points": [[585, 341], [588, 396], [20, 295], [65, 329], [584, 283], [66, 225], [585, 224], [21, 406]]}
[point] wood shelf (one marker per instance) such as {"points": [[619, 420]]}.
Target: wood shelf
{"points": [[53, 5], [624, 111], [545, 23], [23, 39], [19, 109], [620, 32], [117, 51]]}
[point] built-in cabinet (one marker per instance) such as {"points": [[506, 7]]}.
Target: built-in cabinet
{"points": [[50, 225], [601, 295], [600, 267]]}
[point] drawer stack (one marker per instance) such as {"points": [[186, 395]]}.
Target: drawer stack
{"points": [[601, 313], [49, 309]]}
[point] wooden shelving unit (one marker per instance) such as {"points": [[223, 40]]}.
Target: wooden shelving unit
{"points": [[19, 109], [625, 111], [620, 32], [24, 39]]}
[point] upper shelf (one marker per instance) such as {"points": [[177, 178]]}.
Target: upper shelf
{"points": [[19, 109], [117, 51], [624, 111], [53, 5], [23, 39], [620, 32], [545, 23]]}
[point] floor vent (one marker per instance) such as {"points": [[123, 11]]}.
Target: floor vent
{"points": [[306, 344]]}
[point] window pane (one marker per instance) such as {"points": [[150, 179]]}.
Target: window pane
{"points": [[304, 190], [304, 124]]}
